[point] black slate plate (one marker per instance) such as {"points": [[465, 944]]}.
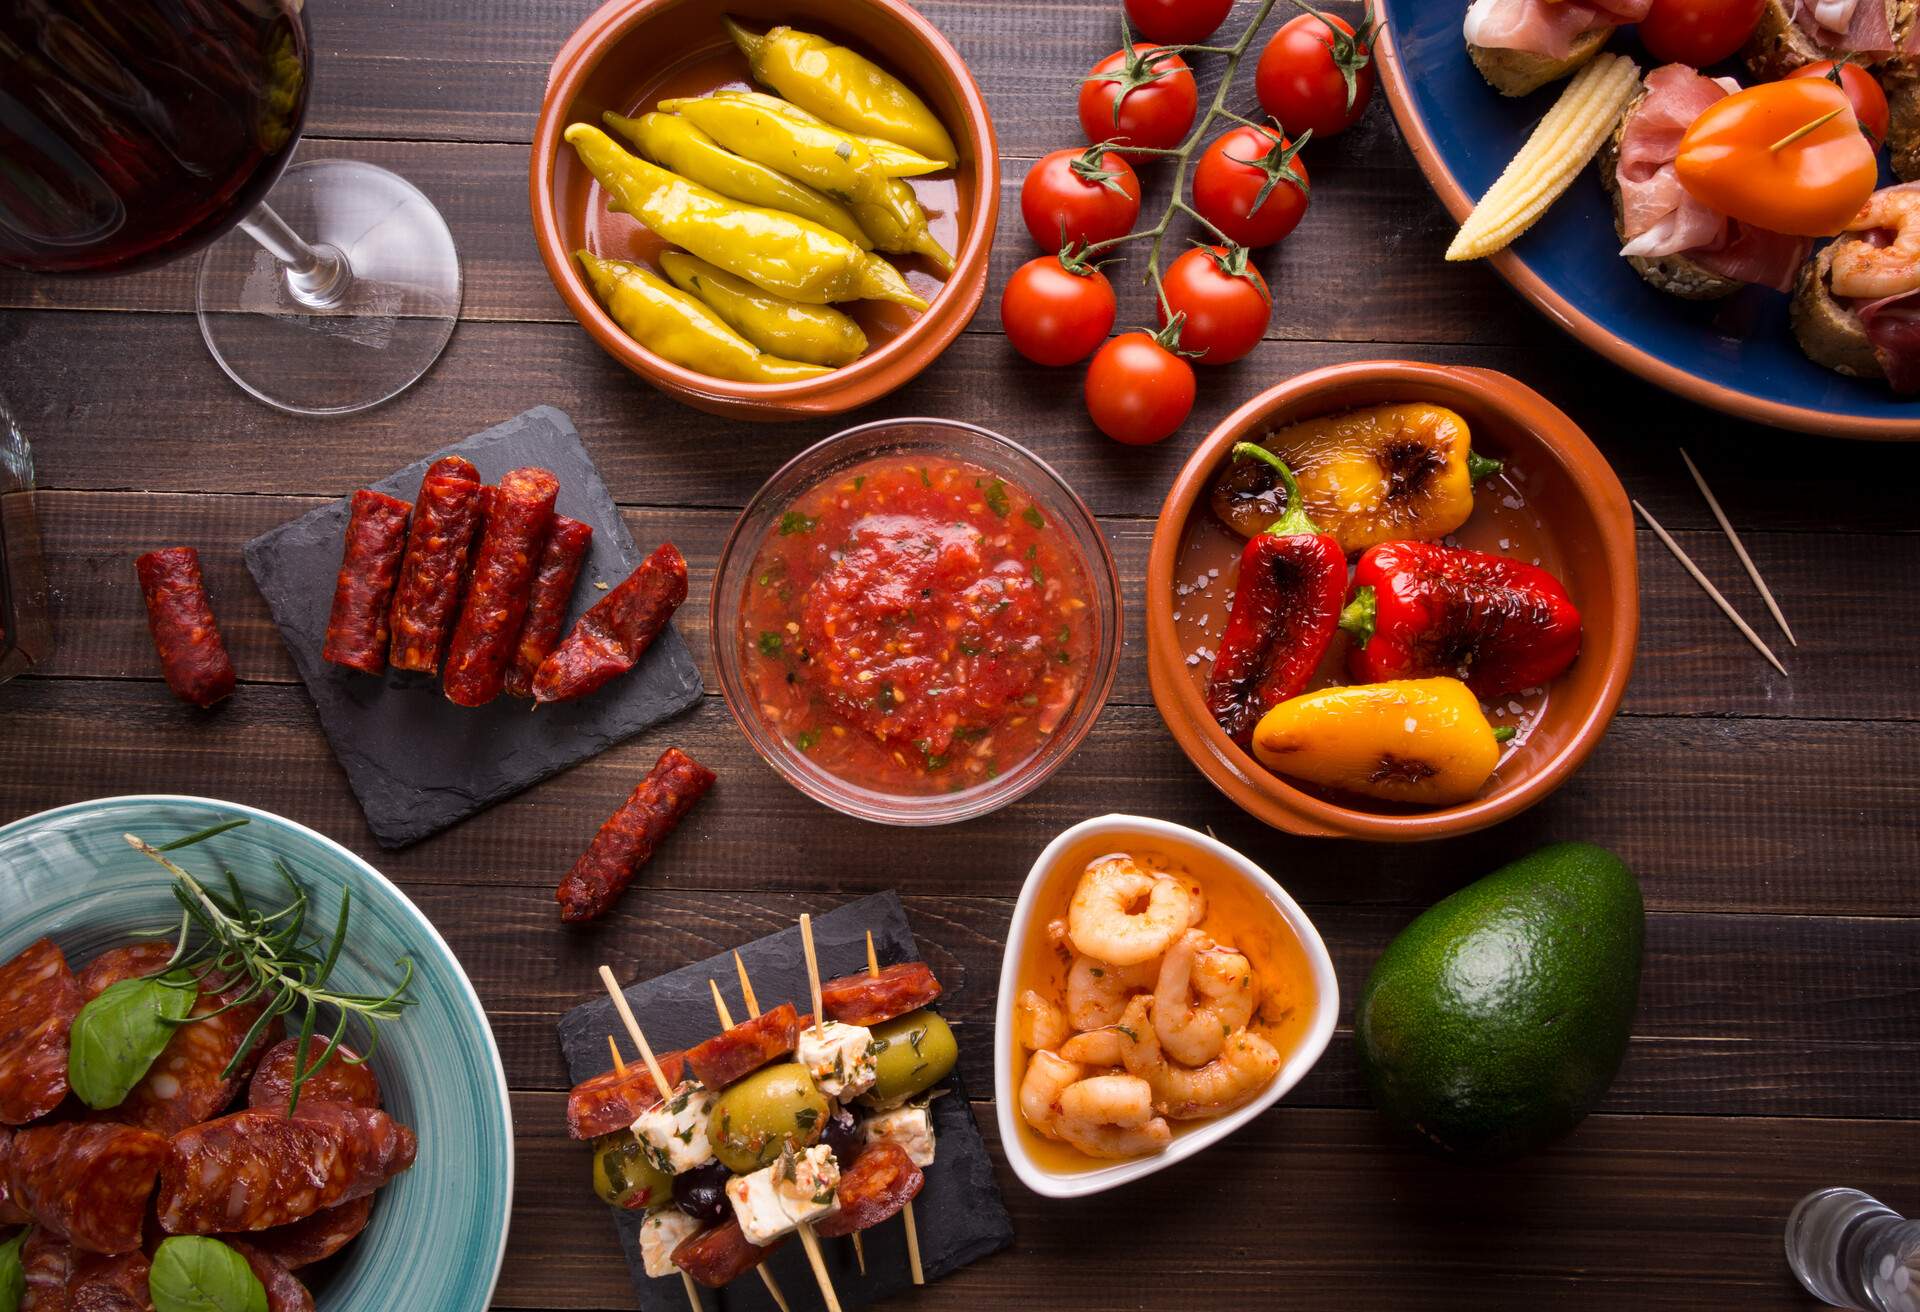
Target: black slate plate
{"points": [[959, 1213], [417, 762]]}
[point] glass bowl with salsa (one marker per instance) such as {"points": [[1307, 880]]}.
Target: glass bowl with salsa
{"points": [[916, 621]]}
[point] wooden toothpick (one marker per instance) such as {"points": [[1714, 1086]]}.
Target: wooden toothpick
{"points": [[811, 1242], [660, 1083], [813, 974], [693, 1293], [873, 961], [1739, 547], [746, 986], [1725, 606], [720, 1007], [619, 1062]]}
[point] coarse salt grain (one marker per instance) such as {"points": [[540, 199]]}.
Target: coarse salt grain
{"points": [[1412, 725]]}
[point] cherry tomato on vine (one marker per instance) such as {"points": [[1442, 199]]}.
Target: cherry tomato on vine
{"points": [[1225, 301], [1177, 22], [1698, 32], [1316, 74], [1055, 314], [1079, 197], [1252, 186], [1140, 96], [1862, 88], [1137, 390]]}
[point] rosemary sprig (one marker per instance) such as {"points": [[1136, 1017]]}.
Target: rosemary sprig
{"points": [[278, 960]]}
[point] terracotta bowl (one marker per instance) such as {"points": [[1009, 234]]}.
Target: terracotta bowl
{"points": [[632, 53], [1583, 529]]}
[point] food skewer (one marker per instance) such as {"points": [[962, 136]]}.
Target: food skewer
{"points": [[913, 1231], [1739, 547], [1726, 607], [726, 1023], [746, 985]]}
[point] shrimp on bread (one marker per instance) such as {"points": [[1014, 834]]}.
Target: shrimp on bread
{"points": [[1857, 307]]}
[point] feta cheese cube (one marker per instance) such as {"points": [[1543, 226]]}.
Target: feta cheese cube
{"points": [[910, 1127], [674, 1132], [773, 1202], [839, 1057], [660, 1234]]}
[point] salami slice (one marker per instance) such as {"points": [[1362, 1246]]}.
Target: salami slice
{"points": [[100, 1283], [502, 587], [870, 999], [363, 591], [193, 658], [560, 563], [446, 516], [617, 630], [720, 1254], [628, 839], [134, 961], [47, 1261], [11, 1213], [39, 998], [317, 1237], [285, 1293], [611, 1101], [88, 1183], [339, 1080], [881, 1181], [253, 1170], [746, 1047]]}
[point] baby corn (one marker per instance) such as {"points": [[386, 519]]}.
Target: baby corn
{"points": [[1546, 166]]}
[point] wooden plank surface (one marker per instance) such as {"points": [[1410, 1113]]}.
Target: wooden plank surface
{"points": [[1772, 821]]}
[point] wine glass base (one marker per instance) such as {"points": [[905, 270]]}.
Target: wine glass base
{"points": [[375, 341]]}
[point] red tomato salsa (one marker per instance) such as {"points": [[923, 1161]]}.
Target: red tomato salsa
{"points": [[916, 625]]}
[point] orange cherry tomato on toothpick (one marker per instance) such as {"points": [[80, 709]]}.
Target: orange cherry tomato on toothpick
{"points": [[1862, 88], [1787, 156]]}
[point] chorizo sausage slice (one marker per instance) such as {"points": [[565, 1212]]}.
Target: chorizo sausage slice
{"points": [[520, 516], [133, 961], [720, 1254], [11, 1213], [193, 658], [47, 1261], [870, 999], [881, 1181], [628, 838], [39, 997], [88, 1183], [100, 1283], [317, 1237], [612, 636], [340, 1079], [188, 1082], [746, 1047], [560, 563], [611, 1101], [357, 627], [285, 1293], [446, 515]]}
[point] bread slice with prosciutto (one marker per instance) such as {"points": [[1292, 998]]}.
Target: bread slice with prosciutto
{"points": [[1901, 78], [1794, 33], [1875, 334], [1521, 45]]}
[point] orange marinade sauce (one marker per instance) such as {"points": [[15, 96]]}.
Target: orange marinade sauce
{"points": [[1239, 916]]}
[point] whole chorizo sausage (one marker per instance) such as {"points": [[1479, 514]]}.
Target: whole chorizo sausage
{"points": [[881, 1181], [720, 1254], [193, 658], [628, 838], [560, 562], [445, 517], [746, 1047], [47, 1262], [363, 590], [39, 997], [617, 630], [611, 1101], [314, 1238], [88, 1183], [285, 1293], [100, 1283], [342, 1078], [870, 999], [501, 587], [253, 1170]]}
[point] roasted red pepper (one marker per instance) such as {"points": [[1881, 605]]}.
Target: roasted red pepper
{"points": [[1286, 606], [1422, 610]]}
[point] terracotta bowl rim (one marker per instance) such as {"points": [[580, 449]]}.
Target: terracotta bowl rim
{"points": [[1267, 796], [851, 385]]}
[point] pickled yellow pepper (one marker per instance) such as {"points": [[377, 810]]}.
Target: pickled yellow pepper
{"points": [[678, 146], [846, 89], [782, 253], [672, 324], [900, 226], [791, 140], [815, 334]]}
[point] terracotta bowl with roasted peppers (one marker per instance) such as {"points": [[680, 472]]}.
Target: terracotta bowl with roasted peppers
{"points": [[1392, 601], [770, 208]]}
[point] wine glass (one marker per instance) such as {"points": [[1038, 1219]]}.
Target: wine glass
{"points": [[139, 131]]}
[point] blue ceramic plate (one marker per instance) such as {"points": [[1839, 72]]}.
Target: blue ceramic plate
{"points": [[438, 1232], [1737, 355]]}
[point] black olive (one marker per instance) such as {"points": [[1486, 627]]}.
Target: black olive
{"points": [[843, 1136], [702, 1192]]}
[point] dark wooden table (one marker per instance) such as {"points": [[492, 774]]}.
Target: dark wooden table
{"points": [[1772, 821]]}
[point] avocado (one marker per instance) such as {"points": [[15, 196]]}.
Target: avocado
{"points": [[1497, 1019]]}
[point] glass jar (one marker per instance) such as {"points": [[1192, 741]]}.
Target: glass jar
{"points": [[26, 638]]}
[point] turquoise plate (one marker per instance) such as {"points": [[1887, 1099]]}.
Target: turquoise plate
{"points": [[439, 1231]]}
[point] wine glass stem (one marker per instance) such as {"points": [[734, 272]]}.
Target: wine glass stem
{"points": [[317, 276]]}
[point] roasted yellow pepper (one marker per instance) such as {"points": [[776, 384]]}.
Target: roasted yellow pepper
{"points": [[815, 334], [1384, 474], [672, 324], [900, 226], [1420, 741], [781, 253], [787, 138], [679, 147], [846, 89]]}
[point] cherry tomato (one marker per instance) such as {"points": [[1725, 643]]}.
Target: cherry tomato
{"points": [[1153, 91], [1863, 89], [1698, 32], [1054, 315], [1316, 74], [1232, 176], [1137, 390], [1080, 197], [1225, 300], [1787, 156], [1177, 22]]}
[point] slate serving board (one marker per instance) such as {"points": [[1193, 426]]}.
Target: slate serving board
{"points": [[959, 1213], [417, 762]]}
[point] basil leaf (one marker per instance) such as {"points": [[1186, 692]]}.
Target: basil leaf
{"points": [[116, 1037], [192, 1273], [13, 1276]]}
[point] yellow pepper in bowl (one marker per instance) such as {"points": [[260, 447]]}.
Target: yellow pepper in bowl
{"points": [[1420, 741], [813, 334], [787, 138], [900, 226]]}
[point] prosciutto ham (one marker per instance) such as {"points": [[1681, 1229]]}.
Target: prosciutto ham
{"points": [[1660, 217], [1545, 27], [1893, 326], [1860, 27]]}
